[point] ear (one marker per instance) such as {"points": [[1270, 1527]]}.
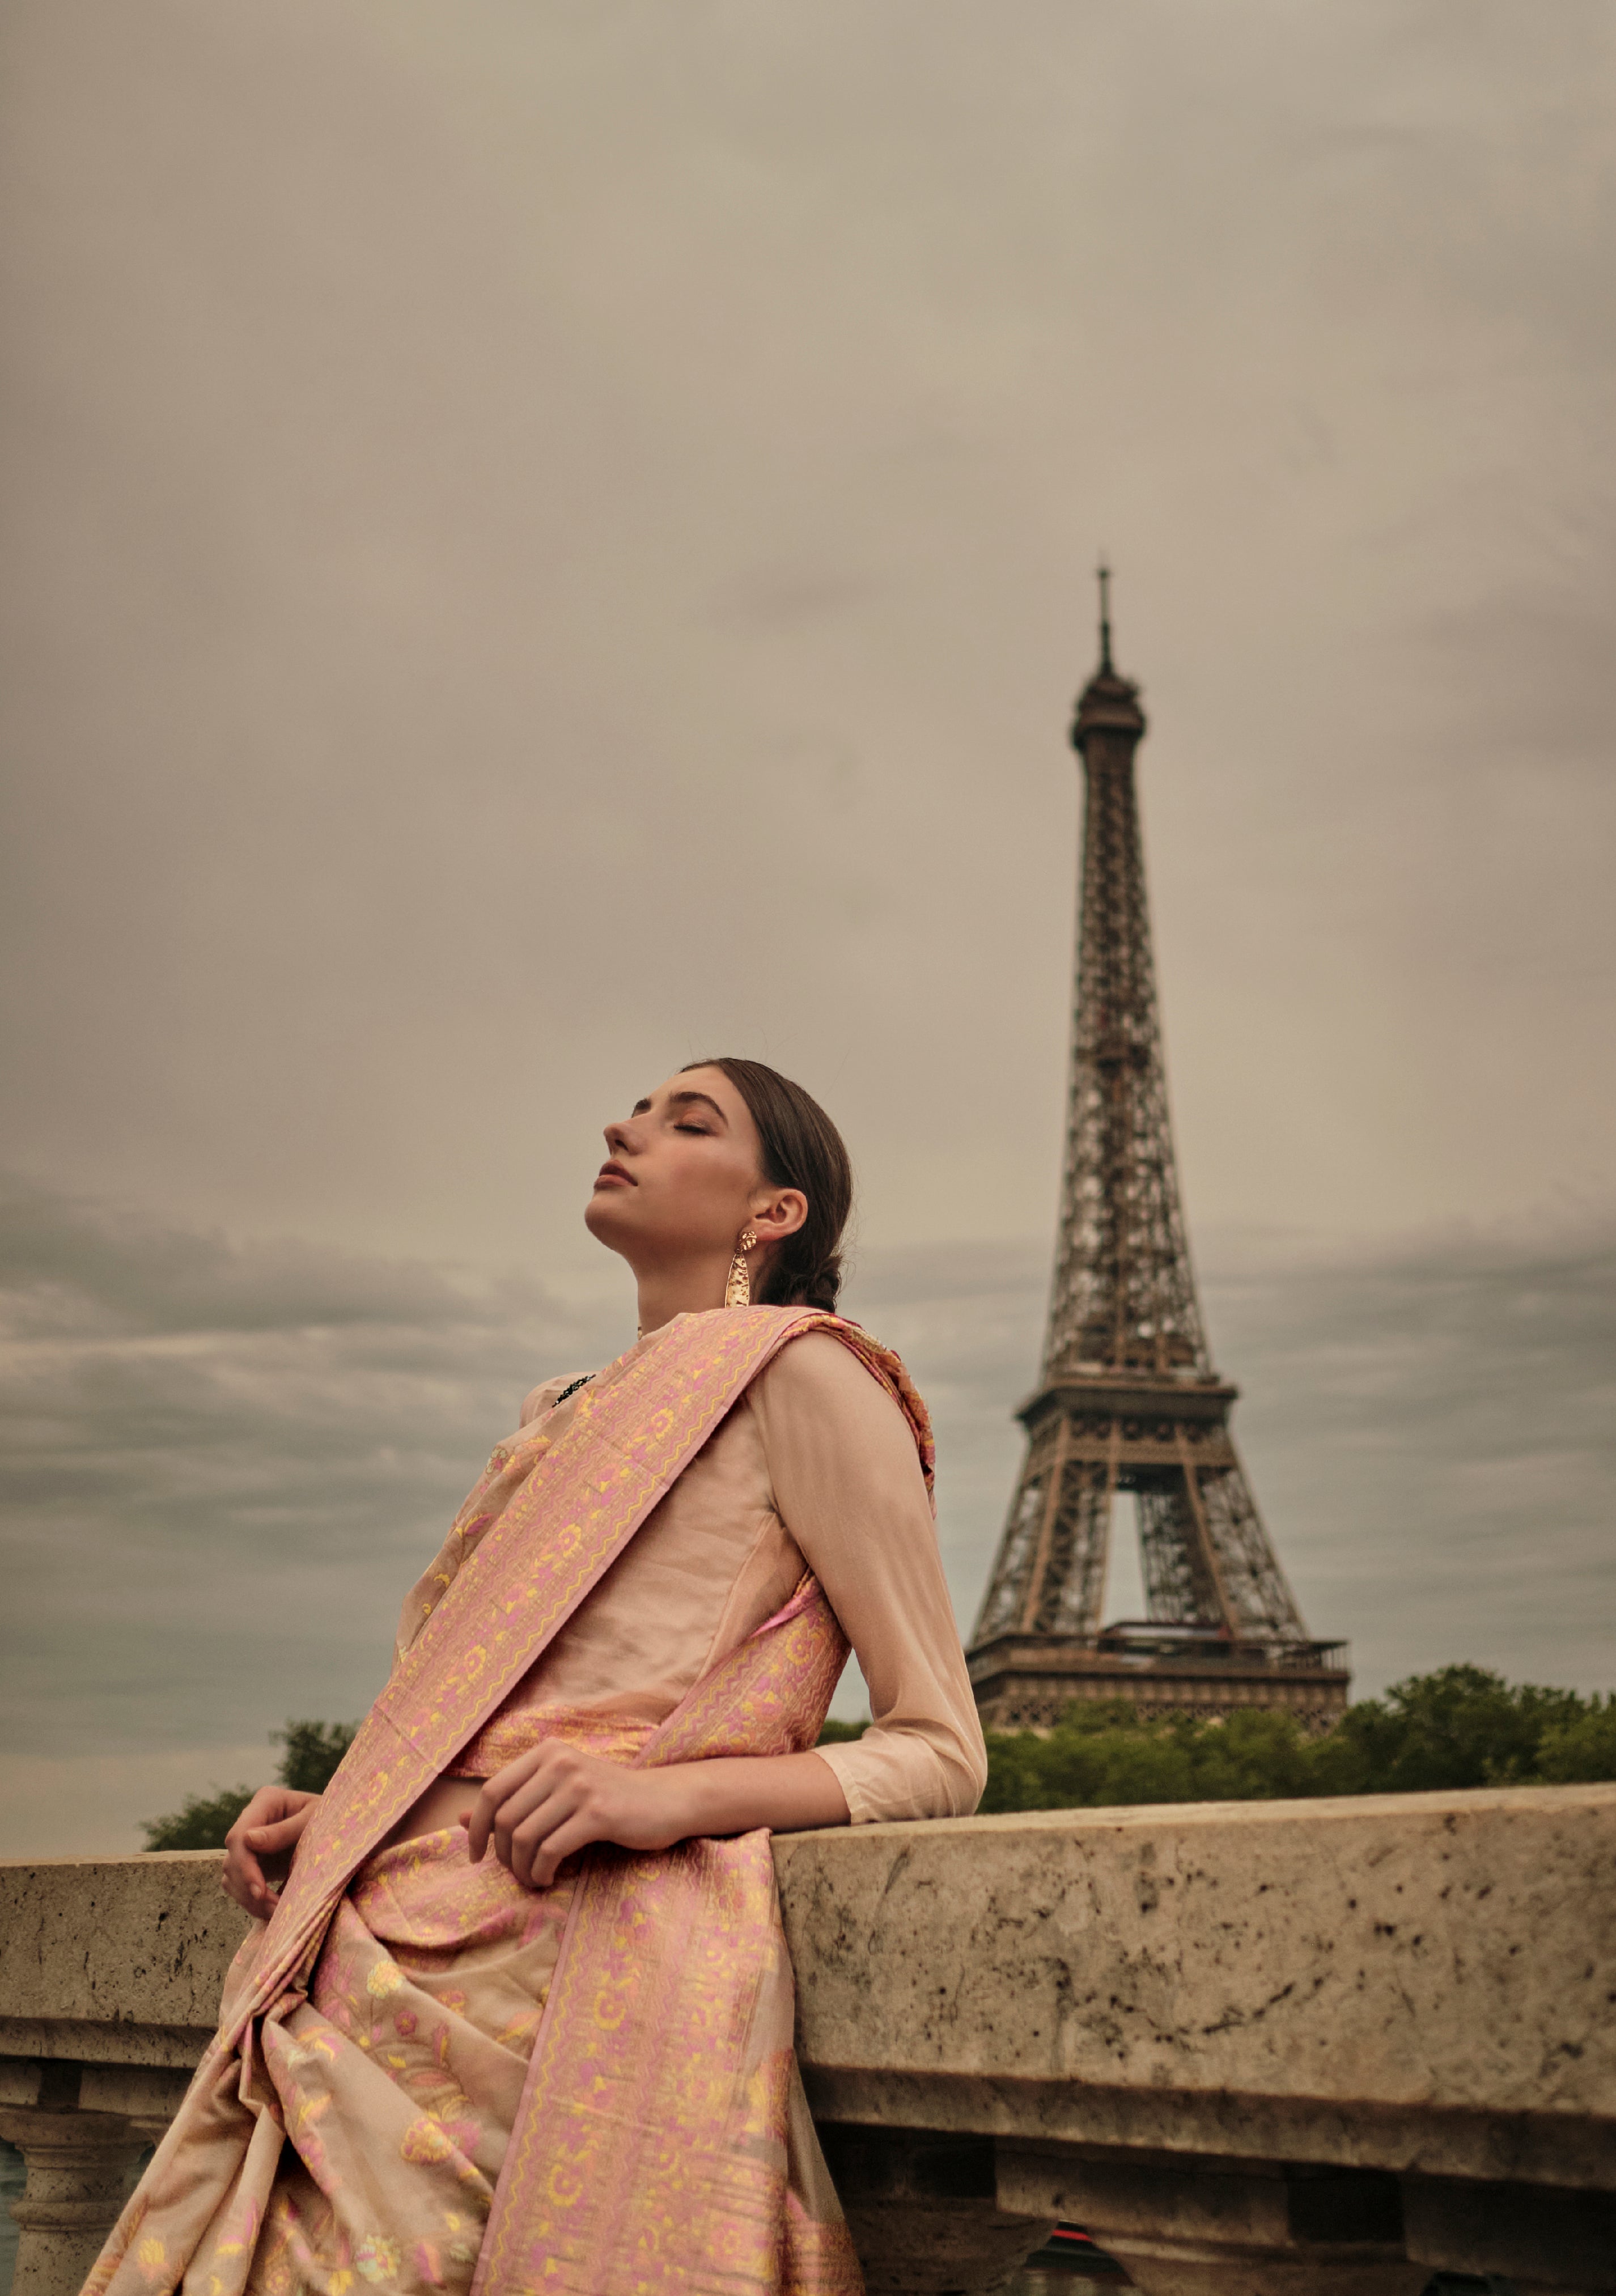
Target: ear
{"points": [[778, 1213]]}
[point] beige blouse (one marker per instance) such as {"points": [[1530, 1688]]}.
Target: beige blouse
{"points": [[815, 1465]]}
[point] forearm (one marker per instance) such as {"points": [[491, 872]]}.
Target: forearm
{"points": [[555, 1800], [788, 1792]]}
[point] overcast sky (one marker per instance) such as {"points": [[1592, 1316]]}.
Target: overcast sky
{"points": [[539, 543]]}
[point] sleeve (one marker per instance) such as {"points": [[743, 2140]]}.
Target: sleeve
{"points": [[849, 1489]]}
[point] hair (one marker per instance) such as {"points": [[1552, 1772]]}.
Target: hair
{"points": [[802, 1149]]}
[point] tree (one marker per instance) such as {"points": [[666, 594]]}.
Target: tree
{"points": [[1582, 1748], [1101, 1755], [200, 1823], [312, 1750], [1462, 1726]]}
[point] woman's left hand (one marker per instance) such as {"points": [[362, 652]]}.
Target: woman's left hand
{"points": [[556, 1799]]}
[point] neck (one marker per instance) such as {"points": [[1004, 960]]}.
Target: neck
{"points": [[688, 1288]]}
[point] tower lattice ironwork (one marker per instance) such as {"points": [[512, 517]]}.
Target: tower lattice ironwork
{"points": [[1128, 1399]]}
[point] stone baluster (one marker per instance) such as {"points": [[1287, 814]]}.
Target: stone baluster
{"points": [[79, 2167]]}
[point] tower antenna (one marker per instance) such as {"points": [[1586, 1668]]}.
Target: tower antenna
{"points": [[1103, 572]]}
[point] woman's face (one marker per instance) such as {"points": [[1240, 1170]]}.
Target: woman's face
{"points": [[683, 1176]]}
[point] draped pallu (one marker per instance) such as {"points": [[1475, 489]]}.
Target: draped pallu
{"points": [[427, 2079]]}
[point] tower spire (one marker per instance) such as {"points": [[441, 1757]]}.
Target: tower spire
{"points": [[1127, 1399]]}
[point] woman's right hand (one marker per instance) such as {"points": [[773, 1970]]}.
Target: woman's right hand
{"points": [[258, 1846]]}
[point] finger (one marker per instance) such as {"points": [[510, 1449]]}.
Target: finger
{"points": [[265, 1840], [525, 1845], [529, 1838], [538, 1793], [249, 1873], [577, 1834], [489, 1820], [525, 1783], [517, 1772], [248, 1888], [267, 1804], [259, 1894], [479, 1824], [496, 1790], [534, 1832], [528, 1818]]}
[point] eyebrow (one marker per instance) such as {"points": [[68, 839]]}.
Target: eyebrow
{"points": [[684, 1099]]}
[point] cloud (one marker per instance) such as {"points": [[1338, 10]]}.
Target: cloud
{"points": [[223, 1463], [540, 543], [1430, 1430], [589, 560], [1429, 1424]]}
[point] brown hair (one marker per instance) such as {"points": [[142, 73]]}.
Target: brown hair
{"points": [[802, 1149]]}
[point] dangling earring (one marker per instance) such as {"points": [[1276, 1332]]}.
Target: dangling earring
{"points": [[738, 1290]]}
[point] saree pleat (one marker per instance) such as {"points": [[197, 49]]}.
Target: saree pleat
{"points": [[363, 2138], [660, 2149]]}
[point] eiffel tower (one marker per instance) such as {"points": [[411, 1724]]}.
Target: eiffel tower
{"points": [[1128, 1399]]}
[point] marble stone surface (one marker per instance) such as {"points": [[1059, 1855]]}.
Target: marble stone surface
{"points": [[1415, 1981], [117, 1958]]}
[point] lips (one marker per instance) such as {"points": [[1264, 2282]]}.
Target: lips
{"points": [[615, 1171]]}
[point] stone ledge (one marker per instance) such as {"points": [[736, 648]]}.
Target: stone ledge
{"points": [[1262, 2049], [1419, 1980], [117, 1942]]}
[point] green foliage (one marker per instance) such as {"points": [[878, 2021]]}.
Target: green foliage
{"points": [[841, 1734], [1462, 1726], [1581, 1748], [312, 1751], [1101, 1755], [201, 1824]]}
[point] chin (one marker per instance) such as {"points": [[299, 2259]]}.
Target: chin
{"points": [[599, 1217], [607, 1218]]}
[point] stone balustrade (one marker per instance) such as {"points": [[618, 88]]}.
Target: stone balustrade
{"points": [[1259, 2049]]}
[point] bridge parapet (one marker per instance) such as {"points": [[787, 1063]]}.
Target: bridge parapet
{"points": [[1259, 2049]]}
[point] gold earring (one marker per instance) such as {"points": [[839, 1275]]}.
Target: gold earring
{"points": [[738, 1290]]}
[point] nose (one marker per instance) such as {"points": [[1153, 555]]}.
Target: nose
{"points": [[619, 1139]]}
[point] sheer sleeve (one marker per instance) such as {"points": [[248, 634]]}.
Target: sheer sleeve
{"points": [[849, 1489]]}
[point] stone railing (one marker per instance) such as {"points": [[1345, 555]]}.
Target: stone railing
{"points": [[1258, 2049]]}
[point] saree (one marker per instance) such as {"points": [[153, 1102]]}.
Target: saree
{"points": [[428, 2077]]}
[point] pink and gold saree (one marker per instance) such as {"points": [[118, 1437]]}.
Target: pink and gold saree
{"points": [[428, 2077]]}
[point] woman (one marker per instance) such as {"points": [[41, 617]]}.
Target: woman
{"points": [[520, 2016]]}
